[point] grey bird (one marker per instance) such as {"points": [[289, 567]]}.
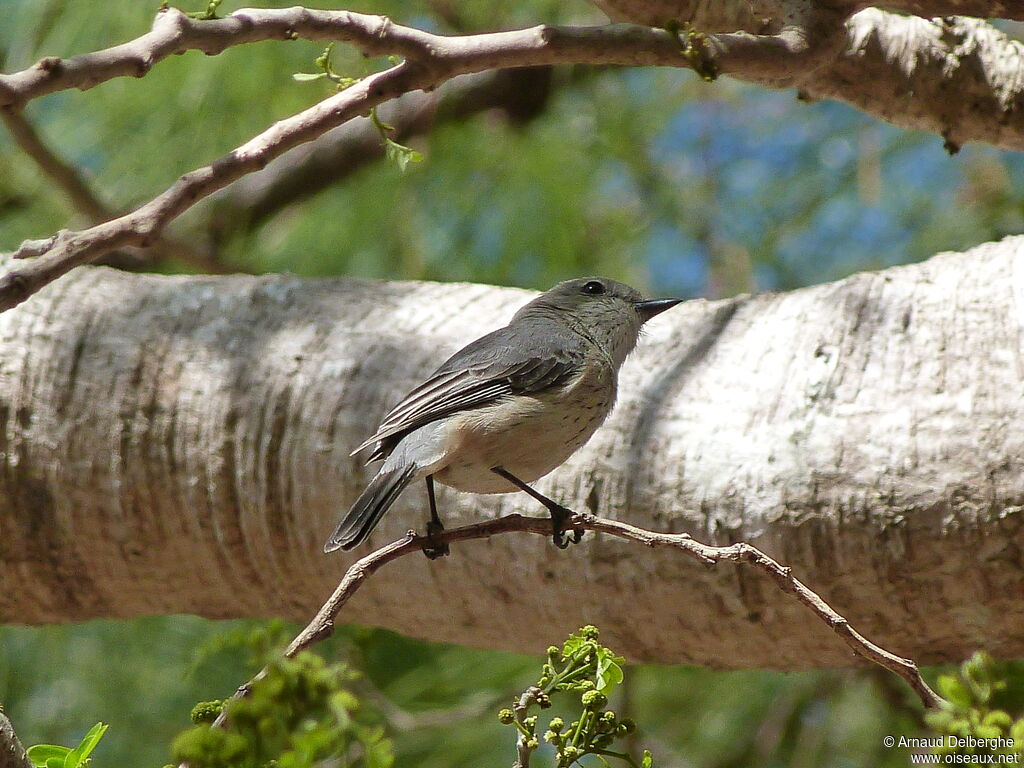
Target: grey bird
{"points": [[508, 408]]}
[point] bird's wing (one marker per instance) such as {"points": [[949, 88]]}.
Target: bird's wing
{"points": [[502, 363]]}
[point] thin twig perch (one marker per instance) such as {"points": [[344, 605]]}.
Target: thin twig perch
{"points": [[322, 625]]}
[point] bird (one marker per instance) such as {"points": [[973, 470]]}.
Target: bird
{"points": [[508, 408]]}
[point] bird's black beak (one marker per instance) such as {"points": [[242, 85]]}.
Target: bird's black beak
{"points": [[649, 309]]}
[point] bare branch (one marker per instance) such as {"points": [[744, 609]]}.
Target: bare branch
{"points": [[67, 249], [520, 93], [173, 33], [528, 698], [958, 77], [67, 178], [12, 753], [783, 48], [431, 60], [447, 58], [322, 625], [935, 66], [982, 9], [761, 16]]}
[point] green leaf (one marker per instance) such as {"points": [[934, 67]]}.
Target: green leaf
{"points": [[609, 670], [55, 762], [401, 154], [40, 753], [573, 645], [78, 755], [303, 77]]}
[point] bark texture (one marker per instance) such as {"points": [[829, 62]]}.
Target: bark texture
{"points": [[934, 70], [175, 444]]}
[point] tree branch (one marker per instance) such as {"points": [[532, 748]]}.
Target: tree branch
{"points": [[446, 58], [983, 9], [174, 33], [67, 249], [528, 698], [67, 179], [764, 16], [958, 77], [322, 625], [521, 93], [12, 753], [809, 37]]}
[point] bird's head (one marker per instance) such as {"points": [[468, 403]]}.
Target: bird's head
{"points": [[609, 312]]}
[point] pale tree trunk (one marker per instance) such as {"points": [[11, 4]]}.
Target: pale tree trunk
{"points": [[175, 444]]}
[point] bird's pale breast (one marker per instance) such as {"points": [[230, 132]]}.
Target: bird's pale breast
{"points": [[528, 435]]}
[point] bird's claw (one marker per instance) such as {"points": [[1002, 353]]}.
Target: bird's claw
{"points": [[432, 549], [559, 517]]}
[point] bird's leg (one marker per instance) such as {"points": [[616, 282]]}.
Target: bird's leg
{"points": [[559, 514], [434, 525]]}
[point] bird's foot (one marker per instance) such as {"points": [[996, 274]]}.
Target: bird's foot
{"points": [[560, 516], [434, 549]]}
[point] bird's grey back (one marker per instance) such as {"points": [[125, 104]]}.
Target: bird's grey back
{"points": [[528, 355]]}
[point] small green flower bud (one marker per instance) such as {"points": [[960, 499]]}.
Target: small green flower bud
{"points": [[593, 699], [586, 685], [590, 632], [609, 716], [506, 716], [571, 752], [206, 711], [532, 743], [544, 681], [551, 737], [554, 653], [543, 700], [556, 724], [629, 724], [530, 722]]}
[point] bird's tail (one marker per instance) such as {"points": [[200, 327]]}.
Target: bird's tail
{"points": [[364, 515]]}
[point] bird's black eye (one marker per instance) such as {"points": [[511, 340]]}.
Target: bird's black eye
{"points": [[593, 287]]}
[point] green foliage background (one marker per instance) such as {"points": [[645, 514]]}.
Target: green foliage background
{"points": [[649, 176]]}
